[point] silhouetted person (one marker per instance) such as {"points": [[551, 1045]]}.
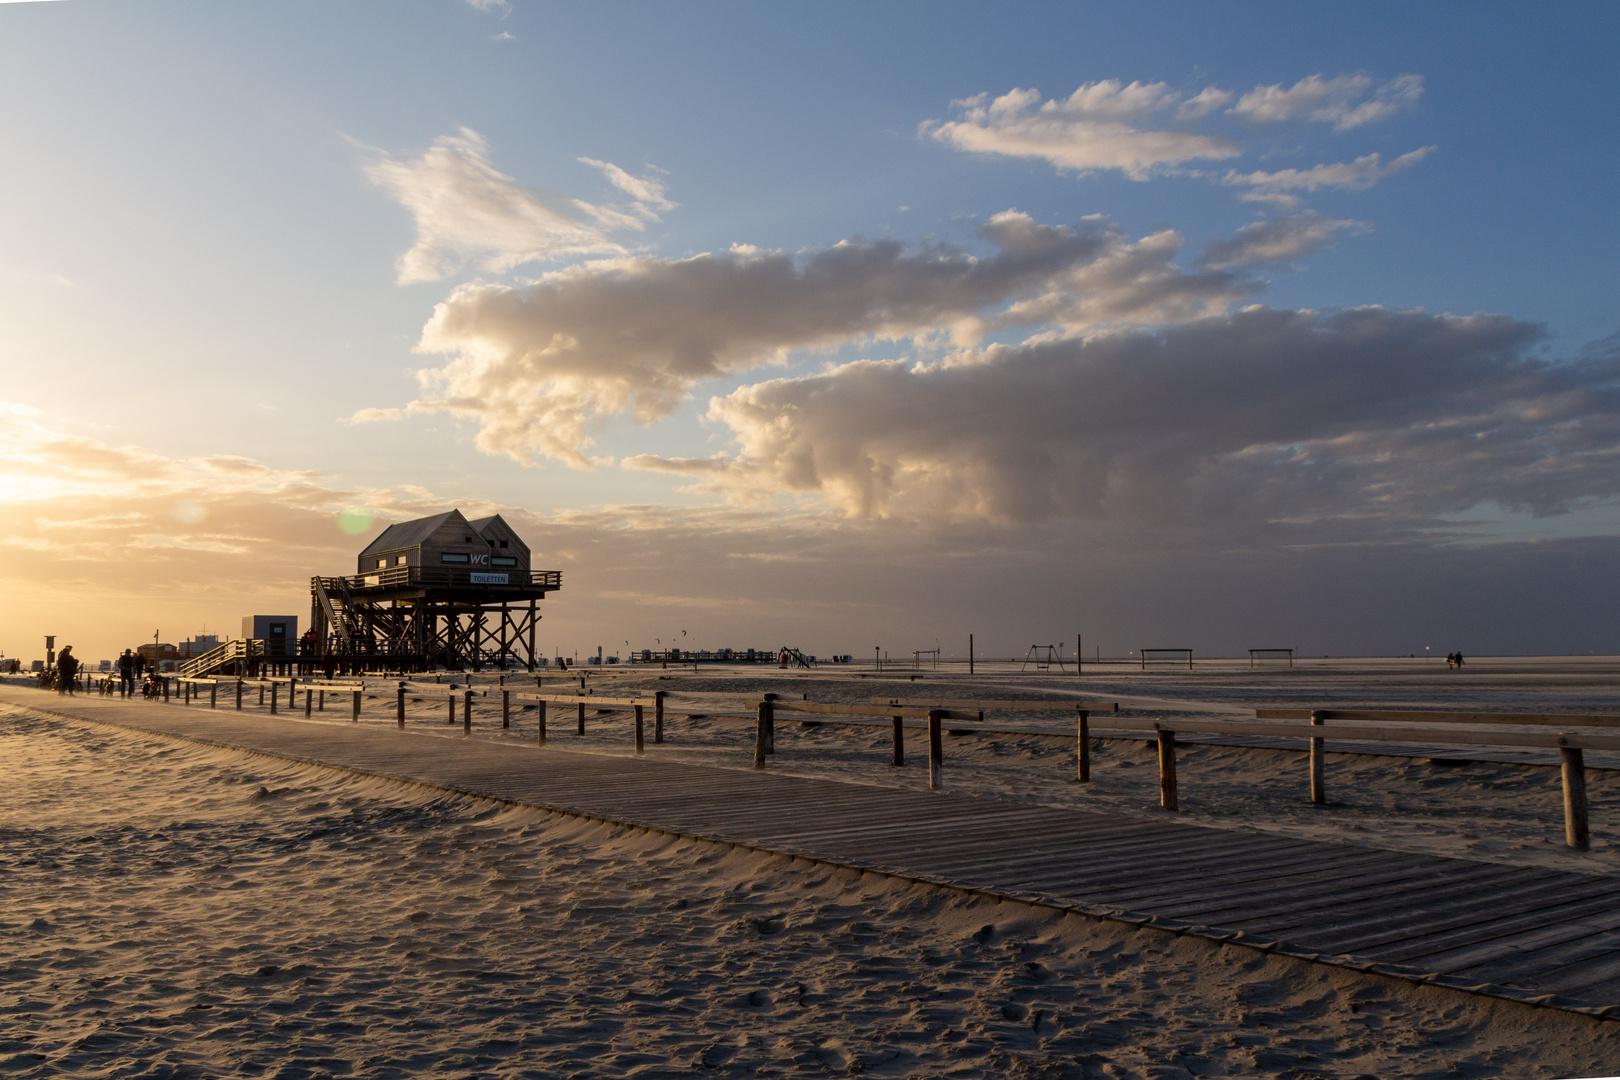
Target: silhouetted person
{"points": [[67, 669], [329, 664], [126, 673]]}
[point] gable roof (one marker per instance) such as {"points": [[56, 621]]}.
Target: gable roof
{"points": [[409, 533]]}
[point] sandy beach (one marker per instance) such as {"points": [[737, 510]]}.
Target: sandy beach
{"points": [[175, 910]]}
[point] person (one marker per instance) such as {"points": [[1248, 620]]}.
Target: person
{"points": [[329, 664], [67, 669], [152, 687], [126, 673]]}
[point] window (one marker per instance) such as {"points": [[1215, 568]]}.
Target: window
{"points": [[381, 563], [503, 543], [400, 561], [499, 561], [454, 557]]}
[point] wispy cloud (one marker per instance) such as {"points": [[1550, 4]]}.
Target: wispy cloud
{"points": [[1276, 240], [467, 211], [1346, 101], [1358, 175], [1100, 126]]}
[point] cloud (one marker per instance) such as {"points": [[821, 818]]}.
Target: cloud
{"points": [[1357, 175], [1265, 426], [1342, 101], [467, 211], [1277, 240], [1097, 127], [535, 365], [502, 6], [647, 193]]}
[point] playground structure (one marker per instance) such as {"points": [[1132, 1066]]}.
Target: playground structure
{"points": [[1043, 657], [1145, 652], [1264, 654]]}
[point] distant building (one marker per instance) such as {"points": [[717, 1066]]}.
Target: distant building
{"points": [[196, 646], [278, 632]]}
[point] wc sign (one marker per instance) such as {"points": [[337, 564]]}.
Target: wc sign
{"points": [[486, 579]]}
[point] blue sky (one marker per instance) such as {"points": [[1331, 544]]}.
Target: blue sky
{"points": [[200, 258]]}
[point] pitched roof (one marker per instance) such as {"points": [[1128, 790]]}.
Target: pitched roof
{"points": [[409, 533]]}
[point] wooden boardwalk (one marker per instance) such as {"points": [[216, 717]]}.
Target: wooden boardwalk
{"points": [[1544, 936]]}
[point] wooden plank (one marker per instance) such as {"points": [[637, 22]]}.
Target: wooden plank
{"points": [[1352, 892], [1513, 932], [1368, 734], [1047, 705], [1433, 716]]}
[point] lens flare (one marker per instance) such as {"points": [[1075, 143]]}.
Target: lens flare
{"points": [[354, 522]]}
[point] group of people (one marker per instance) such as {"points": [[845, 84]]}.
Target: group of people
{"points": [[1454, 660], [128, 668]]}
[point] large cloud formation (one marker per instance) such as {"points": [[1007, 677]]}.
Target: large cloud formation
{"points": [[1358, 422], [535, 365]]}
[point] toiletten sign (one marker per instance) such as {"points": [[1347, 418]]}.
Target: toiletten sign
{"points": [[487, 579]]}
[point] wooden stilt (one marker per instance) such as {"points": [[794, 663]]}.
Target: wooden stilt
{"points": [[541, 708], [641, 746], [1167, 771], [936, 752], [1083, 750], [762, 718], [1318, 761], [506, 706], [1576, 833], [899, 741]]}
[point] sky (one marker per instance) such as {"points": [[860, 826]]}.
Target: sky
{"points": [[838, 326]]}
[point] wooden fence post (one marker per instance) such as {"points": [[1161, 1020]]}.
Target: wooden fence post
{"points": [[466, 712], [762, 717], [770, 725], [1083, 753], [261, 695], [506, 706], [1576, 834], [641, 746], [356, 714], [1167, 771], [452, 717], [399, 704], [582, 718], [936, 752], [165, 688], [213, 695], [658, 717], [542, 708], [309, 701], [292, 694], [899, 741], [273, 694], [238, 695], [1318, 761], [322, 706]]}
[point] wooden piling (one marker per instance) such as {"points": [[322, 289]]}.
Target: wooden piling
{"points": [[506, 706], [321, 707], [238, 695], [770, 725], [641, 746], [762, 717], [899, 741], [658, 717], [309, 701], [936, 752], [273, 691], [165, 689], [1167, 771], [261, 694], [582, 718], [213, 695], [541, 707], [452, 717], [399, 704], [1576, 833], [356, 715], [1083, 750], [1318, 761], [466, 712]]}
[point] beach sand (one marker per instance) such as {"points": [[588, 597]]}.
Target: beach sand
{"points": [[175, 910]]}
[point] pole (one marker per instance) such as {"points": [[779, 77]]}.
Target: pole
{"points": [[542, 711], [770, 724], [356, 715], [1083, 751], [761, 718], [936, 752], [1575, 826], [899, 742], [970, 654], [658, 717], [399, 704], [1167, 771], [1079, 653], [466, 712], [506, 708], [1318, 761], [582, 718], [641, 745]]}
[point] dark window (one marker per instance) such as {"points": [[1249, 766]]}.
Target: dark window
{"points": [[503, 543], [466, 539], [498, 561], [451, 557]]}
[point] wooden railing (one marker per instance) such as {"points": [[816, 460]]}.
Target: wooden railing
{"points": [[401, 577]]}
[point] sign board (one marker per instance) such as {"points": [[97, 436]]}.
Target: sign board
{"points": [[487, 579]]}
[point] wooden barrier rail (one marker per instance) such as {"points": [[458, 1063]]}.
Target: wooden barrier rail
{"points": [[1569, 744], [1007, 706], [1420, 716]]}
